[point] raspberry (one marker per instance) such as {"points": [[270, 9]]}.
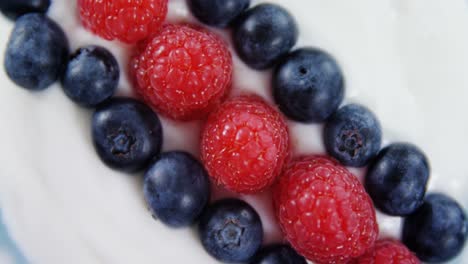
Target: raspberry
{"points": [[127, 20], [324, 211], [245, 144], [387, 251], [183, 72]]}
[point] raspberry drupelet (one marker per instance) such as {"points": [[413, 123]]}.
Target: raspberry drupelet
{"points": [[126, 20], [324, 211], [387, 251], [183, 72], [245, 144]]}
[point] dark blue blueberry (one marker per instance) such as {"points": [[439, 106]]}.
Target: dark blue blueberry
{"points": [[91, 76], [36, 53], [219, 13], [397, 179], [353, 135], [126, 134], [437, 231], [263, 34], [231, 231], [308, 85], [278, 254], [176, 189], [15, 8]]}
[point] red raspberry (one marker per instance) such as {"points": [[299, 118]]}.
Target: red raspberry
{"points": [[245, 144], [183, 72], [388, 251], [127, 20], [324, 211]]}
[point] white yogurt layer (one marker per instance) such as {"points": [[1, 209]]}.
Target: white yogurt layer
{"points": [[405, 59]]}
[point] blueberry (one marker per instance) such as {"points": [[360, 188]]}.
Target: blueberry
{"points": [[308, 85], [219, 13], [91, 76], [177, 189], [126, 134], [15, 8], [263, 34], [437, 231], [397, 179], [353, 135], [230, 230], [278, 254], [36, 52]]}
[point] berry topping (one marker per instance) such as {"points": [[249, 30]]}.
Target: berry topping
{"points": [[183, 72], [387, 251], [230, 230], [324, 211], [36, 52], [126, 134], [219, 13], [397, 179], [308, 85], [176, 189], [278, 254], [263, 34], [245, 144], [91, 76], [437, 231], [126, 20], [353, 135], [15, 8]]}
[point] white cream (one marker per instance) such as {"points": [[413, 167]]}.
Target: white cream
{"points": [[405, 59]]}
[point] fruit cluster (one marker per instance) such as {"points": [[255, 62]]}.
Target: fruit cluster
{"points": [[184, 72]]}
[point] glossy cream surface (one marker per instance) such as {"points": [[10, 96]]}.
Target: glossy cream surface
{"points": [[405, 59]]}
